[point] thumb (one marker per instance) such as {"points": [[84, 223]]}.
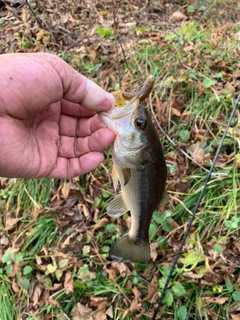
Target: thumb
{"points": [[79, 89]]}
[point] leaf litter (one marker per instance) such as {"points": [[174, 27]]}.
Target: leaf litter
{"points": [[73, 265]]}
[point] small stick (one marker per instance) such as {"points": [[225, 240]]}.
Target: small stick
{"points": [[115, 42], [34, 14]]}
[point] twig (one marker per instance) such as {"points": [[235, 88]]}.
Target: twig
{"points": [[148, 5], [39, 22], [124, 55], [115, 42], [170, 233]]}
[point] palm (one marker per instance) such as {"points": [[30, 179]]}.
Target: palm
{"points": [[43, 134]]}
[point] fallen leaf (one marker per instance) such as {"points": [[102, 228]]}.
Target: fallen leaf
{"points": [[152, 295], [54, 303], [217, 300], [81, 312], [196, 152], [44, 36], [37, 293], [112, 272], [122, 268], [109, 312], [15, 287], [101, 223], [175, 112], [100, 315], [68, 282], [154, 251], [178, 16], [98, 302], [235, 316], [4, 241], [65, 189], [135, 304]]}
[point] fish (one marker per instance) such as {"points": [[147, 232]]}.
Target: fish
{"points": [[139, 165]]}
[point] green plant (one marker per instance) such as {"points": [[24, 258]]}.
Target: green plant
{"points": [[7, 299], [175, 289], [105, 32]]}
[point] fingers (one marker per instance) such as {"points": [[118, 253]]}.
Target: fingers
{"points": [[79, 89], [79, 127], [71, 147], [75, 110], [70, 168], [34, 81]]}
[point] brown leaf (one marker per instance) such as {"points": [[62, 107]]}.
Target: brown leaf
{"points": [[44, 36], [152, 295], [101, 223], [175, 112], [54, 303], [235, 316], [4, 241], [65, 189], [135, 302], [122, 268], [178, 16], [196, 152], [37, 293], [154, 251], [100, 315], [98, 302], [81, 312], [112, 272], [109, 312], [15, 287], [217, 300], [68, 282]]}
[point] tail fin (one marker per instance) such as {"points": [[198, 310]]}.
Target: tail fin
{"points": [[125, 250]]}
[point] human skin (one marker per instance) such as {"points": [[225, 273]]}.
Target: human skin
{"points": [[49, 125]]}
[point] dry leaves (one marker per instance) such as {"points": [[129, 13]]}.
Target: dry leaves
{"points": [[81, 312]]}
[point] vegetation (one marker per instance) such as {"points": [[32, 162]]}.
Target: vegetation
{"points": [[55, 235]]}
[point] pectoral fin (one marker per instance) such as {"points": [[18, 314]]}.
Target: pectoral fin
{"points": [[117, 207], [126, 174]]}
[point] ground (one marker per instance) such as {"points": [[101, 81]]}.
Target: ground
{"points": [[55, 235]]}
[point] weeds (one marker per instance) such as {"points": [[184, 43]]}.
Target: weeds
{"points": [[53, 232]]}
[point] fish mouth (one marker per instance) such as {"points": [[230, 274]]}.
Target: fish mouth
{"points": [[118, 113], [119, 117]]}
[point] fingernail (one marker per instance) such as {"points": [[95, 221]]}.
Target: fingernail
{"points": [[107, 103]]}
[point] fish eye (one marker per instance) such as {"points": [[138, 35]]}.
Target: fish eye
{"points": [[141, 123]]}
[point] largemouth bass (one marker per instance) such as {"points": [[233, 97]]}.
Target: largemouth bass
{"points": [[139, 166]]}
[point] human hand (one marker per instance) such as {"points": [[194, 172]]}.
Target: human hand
{"points": [[48, 121]]}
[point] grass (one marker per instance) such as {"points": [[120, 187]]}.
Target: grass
{"points": [[7, 300], [195, 76]]}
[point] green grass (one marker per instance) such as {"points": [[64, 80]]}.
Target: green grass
{"points": [[7, 300], [189, 68]]}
